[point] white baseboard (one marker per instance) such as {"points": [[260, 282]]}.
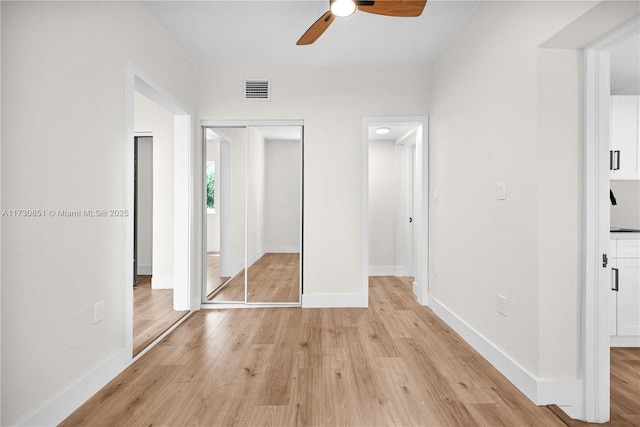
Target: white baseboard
{"points": [[566, 392], [60, 407], [624, 341], [382, 270], [282, 250], [334, 300], [145, 270], [161, 282]]}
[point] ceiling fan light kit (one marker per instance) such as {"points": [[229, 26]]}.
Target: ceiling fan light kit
{"points": [[344, 8]]}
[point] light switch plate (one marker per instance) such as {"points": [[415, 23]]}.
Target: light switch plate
{"points": [[501, 190]]}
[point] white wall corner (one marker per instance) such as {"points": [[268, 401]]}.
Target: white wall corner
{"points": [[61, 406], [335, 300], [566, 393]]}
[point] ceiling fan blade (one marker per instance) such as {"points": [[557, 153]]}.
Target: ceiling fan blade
{"points": [[392, 7], [317, 29]]}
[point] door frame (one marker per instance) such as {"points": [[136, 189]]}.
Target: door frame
{"points": [[421, 202], [185, 296], [406, 230], [595, 356]]}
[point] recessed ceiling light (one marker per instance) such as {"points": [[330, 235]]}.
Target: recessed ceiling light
{"points": [[383, 131], [343, 8]]}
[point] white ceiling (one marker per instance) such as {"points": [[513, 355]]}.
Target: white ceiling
{"points": [[264, 33]]}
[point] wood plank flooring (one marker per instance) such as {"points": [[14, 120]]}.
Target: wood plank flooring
{"points": [[214, 280], [625, 391], [395, 363], [153, 313], [275, 277]]}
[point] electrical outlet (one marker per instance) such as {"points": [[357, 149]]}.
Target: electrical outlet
{"points": [[436, 270], [98, 311], [502, 305]]}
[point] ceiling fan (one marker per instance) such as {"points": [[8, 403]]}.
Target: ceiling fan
{"points": [[344, 8]]}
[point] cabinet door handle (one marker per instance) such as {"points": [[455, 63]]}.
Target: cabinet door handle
{"points": [[610, 160], [614, 280], [614, 160]]}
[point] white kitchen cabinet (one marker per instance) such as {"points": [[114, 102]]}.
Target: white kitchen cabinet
{"points": [[624, 303], [613, 295], [628, 300], [625, 137]]}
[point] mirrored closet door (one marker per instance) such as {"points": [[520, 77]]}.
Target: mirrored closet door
{"points": [[253, 218]]}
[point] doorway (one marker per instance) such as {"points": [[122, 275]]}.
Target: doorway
{"points": [[396, 202], [596, 233], [252, 213], [137, 83]]}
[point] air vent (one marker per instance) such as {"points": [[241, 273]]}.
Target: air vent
{"points": [[257, 90]]}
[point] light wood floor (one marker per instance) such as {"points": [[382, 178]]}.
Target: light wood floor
{"points": [[394, 363], [275, 277], [214, 280], [152, 313], [625, 390]]}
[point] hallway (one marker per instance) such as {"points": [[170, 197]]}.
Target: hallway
{"points": [[394, 363]]}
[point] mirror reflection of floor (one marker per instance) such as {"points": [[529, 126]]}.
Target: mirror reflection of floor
{"points": [[153, 313], [214, 281], [275, 277]]}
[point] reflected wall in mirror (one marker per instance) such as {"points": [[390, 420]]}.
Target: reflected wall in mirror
{"points": [[256, 214], [225, 228], [274, 184]]}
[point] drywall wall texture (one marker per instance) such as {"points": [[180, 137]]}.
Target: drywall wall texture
{"points": [[383, 202], [150, 117], [282, 198], [63, 149], [332, 105], [144, 204], [255, 195], [520, 107], [213, 219]]}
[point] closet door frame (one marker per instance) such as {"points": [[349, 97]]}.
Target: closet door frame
{"points": [[246, 124]]}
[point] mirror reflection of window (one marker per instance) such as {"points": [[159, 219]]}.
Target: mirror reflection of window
{"points": [[211, 185]]}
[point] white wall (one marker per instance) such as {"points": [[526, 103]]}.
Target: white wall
{"points": [[383, 203], [213, 217], [150, 117], [282, 198], [255, 195], [144, 205], [504, 109], [63, 148], [332, 106], [232, 202]]}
